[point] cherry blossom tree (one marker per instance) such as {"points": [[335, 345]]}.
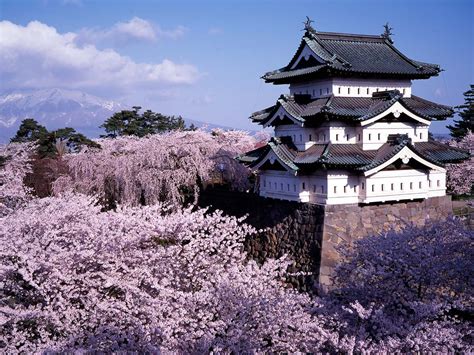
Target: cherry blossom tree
{"points": [[460, 177], [162, 167], [407, 291], [14, 166], [142, 279]]}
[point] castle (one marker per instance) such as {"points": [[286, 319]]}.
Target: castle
{"points": [[351, 131]]}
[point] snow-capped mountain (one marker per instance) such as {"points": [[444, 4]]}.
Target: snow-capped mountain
{"points": [[55, 108]]}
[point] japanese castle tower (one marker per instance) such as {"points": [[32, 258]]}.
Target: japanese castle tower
{"points": [[350, 130]]}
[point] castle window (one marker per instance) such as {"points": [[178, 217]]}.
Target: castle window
{"points": [[438, 183], [320, 92], [324, 137], [264, 183], [345, 189], [275, 184], [411, 186], [347, 137], [370, 136], [355, 188], [429, 183], [335, 189], [301, 137], [281, 186], [358, 91], [368, 91], [378, 136], [381, 187], [339, 90], [373, 187], [337, 137], [327, 90], [391, 187], [358, 137], [348, 91], [303, 186], [322, 189], [403, 92], [294, 138], [377, 90], [419, 184], [401, 186], [363, 186], [314, 188], [314, 92], [421, 135], [310, 137]]}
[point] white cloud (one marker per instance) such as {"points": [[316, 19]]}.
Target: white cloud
{"points": [[124, 32], [37, 56], [214, 31]]}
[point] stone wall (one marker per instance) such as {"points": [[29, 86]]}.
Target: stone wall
{"points": [[346, 223], [309, 234]]}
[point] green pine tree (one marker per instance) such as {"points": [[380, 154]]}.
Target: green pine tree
{"points": [[132, 123], [29, 131], [466, 113]]}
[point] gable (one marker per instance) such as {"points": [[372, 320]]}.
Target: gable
{"points": [[396, 110], [306, 58], [407, 157]]}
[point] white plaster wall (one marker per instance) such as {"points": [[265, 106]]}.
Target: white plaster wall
{"points": [[376, 134], [343, 187], [282, 185], [349, 87], [366, 87], [302, 137]]}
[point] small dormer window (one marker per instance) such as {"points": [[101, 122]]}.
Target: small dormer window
{"points": [[401, 186]]}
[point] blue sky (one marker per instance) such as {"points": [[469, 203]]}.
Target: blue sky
{"points": [[203, 59]]}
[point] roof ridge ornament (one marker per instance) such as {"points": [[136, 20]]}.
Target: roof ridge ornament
{"points": [[307, 25], [387, 33]]}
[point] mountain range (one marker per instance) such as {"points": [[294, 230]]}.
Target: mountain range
{"points": [[57, 108]]}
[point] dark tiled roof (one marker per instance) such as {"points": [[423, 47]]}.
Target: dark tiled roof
{"points": [[353, 108], [351, 155], [441, 152], [349, 54]]}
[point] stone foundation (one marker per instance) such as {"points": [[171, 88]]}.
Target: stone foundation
{"points": [[309, 234]]}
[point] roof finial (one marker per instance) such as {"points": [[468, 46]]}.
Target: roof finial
{"points": [[307, 25], [387, 32]]}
